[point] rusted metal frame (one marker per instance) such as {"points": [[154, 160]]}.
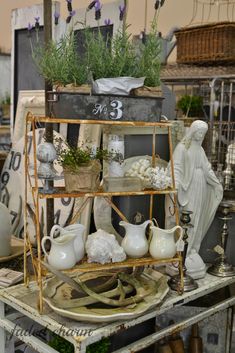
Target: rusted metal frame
{"points": [[145, 261], [153, 165], [103, 122], [173, 175], [116, 209], [37, 220], [176, 210], [27, 243], [151, 339], [26, 277], [63, 194]]}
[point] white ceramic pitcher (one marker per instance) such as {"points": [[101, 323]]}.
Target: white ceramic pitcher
{"points": [[79, 241], [163, 244], [135, 243], [62, 255]]}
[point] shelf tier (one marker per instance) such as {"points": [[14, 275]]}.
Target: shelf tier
{"points": [[61, 193], [43, 119], [84, 266]]}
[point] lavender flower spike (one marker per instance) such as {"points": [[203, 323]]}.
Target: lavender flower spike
{"points": [[30, 27], [56, 17], [107, 22], [71, 14], [97, 5], [97, 10], [122, 9], [91, 5], [37, 19], [69, 5], [158, 4]]}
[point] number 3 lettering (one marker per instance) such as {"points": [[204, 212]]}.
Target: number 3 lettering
{"points": [[117, 106]]}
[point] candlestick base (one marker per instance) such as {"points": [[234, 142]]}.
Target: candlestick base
{"points": [[221, 268], [188, 282]]}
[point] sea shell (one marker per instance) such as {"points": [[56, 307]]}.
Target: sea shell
{"points": [[102, 247]]}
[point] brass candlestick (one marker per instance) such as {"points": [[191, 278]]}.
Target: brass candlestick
{"points": [[221, 267], [175, 281]]}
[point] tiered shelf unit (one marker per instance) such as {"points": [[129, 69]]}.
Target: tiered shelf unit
{"points": [[31, 185]]}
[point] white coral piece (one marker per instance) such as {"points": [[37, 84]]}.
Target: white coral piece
{"points": [[139, 169], [102, 247], [160, 178]]}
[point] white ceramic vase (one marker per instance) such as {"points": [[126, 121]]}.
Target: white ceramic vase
{"points": [[5, 231]]}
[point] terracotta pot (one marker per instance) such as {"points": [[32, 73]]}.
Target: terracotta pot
{"points": [[86, 178]]}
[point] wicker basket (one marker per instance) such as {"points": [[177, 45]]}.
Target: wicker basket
{"points": [[206, 44], [86, 179]]}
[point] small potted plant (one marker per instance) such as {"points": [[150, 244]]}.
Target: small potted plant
{"points": [[191, 105], [82, 168]]}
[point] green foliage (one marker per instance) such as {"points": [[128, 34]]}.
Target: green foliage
{"points": [[149, 59], [59, 63], [99, 347], [191, 105], [63, 346], [74, 157], [6, 100], [110, 57]]}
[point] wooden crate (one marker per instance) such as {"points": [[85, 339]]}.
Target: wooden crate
{"points": [[206, 44]]}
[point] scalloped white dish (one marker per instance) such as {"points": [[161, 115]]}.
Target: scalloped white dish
{"points": [[56, 293]]}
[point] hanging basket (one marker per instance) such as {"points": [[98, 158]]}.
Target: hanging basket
{"points": [[85, 179], [206, 44]]}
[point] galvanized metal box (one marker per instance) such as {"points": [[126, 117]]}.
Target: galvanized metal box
{"points": [[103, 107]]}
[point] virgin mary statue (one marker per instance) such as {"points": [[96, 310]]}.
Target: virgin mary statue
{"points": [[198, 188]]}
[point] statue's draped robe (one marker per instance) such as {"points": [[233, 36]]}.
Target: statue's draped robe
{"points": [[199, 191]]}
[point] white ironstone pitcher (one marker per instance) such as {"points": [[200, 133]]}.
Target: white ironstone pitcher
{"points": [[61, 255], [163, 244], [135, 242], [79, 241]]}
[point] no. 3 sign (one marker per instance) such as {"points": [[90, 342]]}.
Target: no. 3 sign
{"points": [[12, 188]]}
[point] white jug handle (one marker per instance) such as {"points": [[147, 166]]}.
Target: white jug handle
{"points": [[55, 228], [181, 234], [155, 222], [44, 239]]}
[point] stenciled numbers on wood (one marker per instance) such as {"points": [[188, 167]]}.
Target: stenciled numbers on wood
{"points": [[115, 114], [15, 160]]}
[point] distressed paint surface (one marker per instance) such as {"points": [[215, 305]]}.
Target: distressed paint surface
{"points": [[103, 107]]}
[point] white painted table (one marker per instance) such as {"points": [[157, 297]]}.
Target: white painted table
{"points": [[24, 301]]}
